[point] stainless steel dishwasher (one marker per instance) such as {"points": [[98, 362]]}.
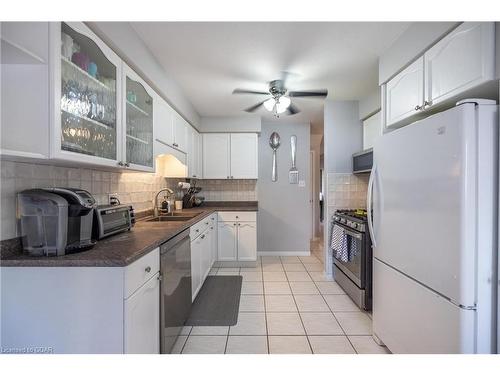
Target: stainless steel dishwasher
{"points": [[175, 290]]}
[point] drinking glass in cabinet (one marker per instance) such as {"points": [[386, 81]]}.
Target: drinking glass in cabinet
{"points": [[88, 97], [139, 121]]}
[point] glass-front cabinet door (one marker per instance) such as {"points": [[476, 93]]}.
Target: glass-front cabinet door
{"points": [[88, 106], [138, 115]]}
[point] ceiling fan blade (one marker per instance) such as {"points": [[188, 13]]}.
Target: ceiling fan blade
{"points": [[244, 91], [255, 106], [292, 109], [312, 93]]}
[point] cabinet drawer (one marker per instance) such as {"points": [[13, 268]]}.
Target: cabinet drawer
{"points": [[141, 271], [199, 228], [237, 216]]}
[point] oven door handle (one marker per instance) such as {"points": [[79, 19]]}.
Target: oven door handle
{"points": [[369, 205], [353, 234]]}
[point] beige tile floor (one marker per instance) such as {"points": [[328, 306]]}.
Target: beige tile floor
{"points": [[287, 306]]}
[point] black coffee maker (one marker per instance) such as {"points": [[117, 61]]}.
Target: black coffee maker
{"points": [[56, 221]]}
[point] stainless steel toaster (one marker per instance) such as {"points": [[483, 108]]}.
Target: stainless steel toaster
{"points": [[112, 219]]}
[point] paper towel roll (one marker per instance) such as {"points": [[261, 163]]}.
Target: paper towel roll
{"points": [[184, 185]]}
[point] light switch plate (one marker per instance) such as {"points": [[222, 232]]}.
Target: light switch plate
{"points": [[302, 183]]}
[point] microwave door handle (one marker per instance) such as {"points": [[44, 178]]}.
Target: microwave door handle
{"points": [[369, 205]]}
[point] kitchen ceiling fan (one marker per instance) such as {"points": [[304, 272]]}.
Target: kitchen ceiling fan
{"points": [[280, 101]]}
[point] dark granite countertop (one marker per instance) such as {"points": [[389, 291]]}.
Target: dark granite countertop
{"points": [[122, 249]]}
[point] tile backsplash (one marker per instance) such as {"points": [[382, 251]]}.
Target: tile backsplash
{"points": [[137, 189], [222, 190], [347, 190]]}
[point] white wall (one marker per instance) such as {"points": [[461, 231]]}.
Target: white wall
{"points": [[123, 39], [343, 136], [231, 124], [413, 42], [284, 219], [370, 104]]}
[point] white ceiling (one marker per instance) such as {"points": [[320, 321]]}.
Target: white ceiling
{"points": [[209, 60]]}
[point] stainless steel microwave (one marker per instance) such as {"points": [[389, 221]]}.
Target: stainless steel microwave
{"points": [[362, 162]]}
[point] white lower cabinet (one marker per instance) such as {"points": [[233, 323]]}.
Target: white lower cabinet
{"points": [[142, 319], [201, 257], [214, 238], [196, 249], [83, 310], [237, 239], [227, 234], [247, 241]]}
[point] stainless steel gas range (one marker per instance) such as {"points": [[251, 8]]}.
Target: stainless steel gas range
{"points": [[352, 255]]}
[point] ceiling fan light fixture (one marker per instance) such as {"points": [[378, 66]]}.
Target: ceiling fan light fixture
{"points": [[269, 104], [283, 104]]}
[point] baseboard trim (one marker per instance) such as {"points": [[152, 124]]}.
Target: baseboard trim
{"points": [[284, 253]]}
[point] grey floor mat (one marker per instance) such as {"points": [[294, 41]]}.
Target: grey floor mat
{"points": [[217, 303]]}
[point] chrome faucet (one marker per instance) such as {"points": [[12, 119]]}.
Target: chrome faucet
{"points": [[155, 202]]}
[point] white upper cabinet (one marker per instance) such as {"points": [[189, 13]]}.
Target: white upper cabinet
{"points": [[139, 125], [180, 132], [194, 153], [164, 121], [460, 65], [461, 60], [244, 151], [404, 94], [199, 160], [86, 97], [24, 79], [230, 155], [216, 149], [372, 129]]}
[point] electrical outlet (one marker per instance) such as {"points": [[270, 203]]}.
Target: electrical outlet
{"points": [[113, 198]]}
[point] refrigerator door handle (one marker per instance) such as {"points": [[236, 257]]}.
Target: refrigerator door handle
{"points": [[369, 205]]}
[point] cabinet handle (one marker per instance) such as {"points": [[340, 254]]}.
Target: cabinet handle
{"points": [[127, 165], [148, 269], [197, 230], [194, 176], [237, 217], [232, 177], [418, 107], [202, 236], [120, 163], [234, 224], [426, 104], [206, 223], [227, 177]]}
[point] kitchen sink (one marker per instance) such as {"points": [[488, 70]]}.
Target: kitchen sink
{"points": [[174, 216]]}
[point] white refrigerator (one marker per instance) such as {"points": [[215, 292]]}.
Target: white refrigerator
{"points": [[434, 195]]}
